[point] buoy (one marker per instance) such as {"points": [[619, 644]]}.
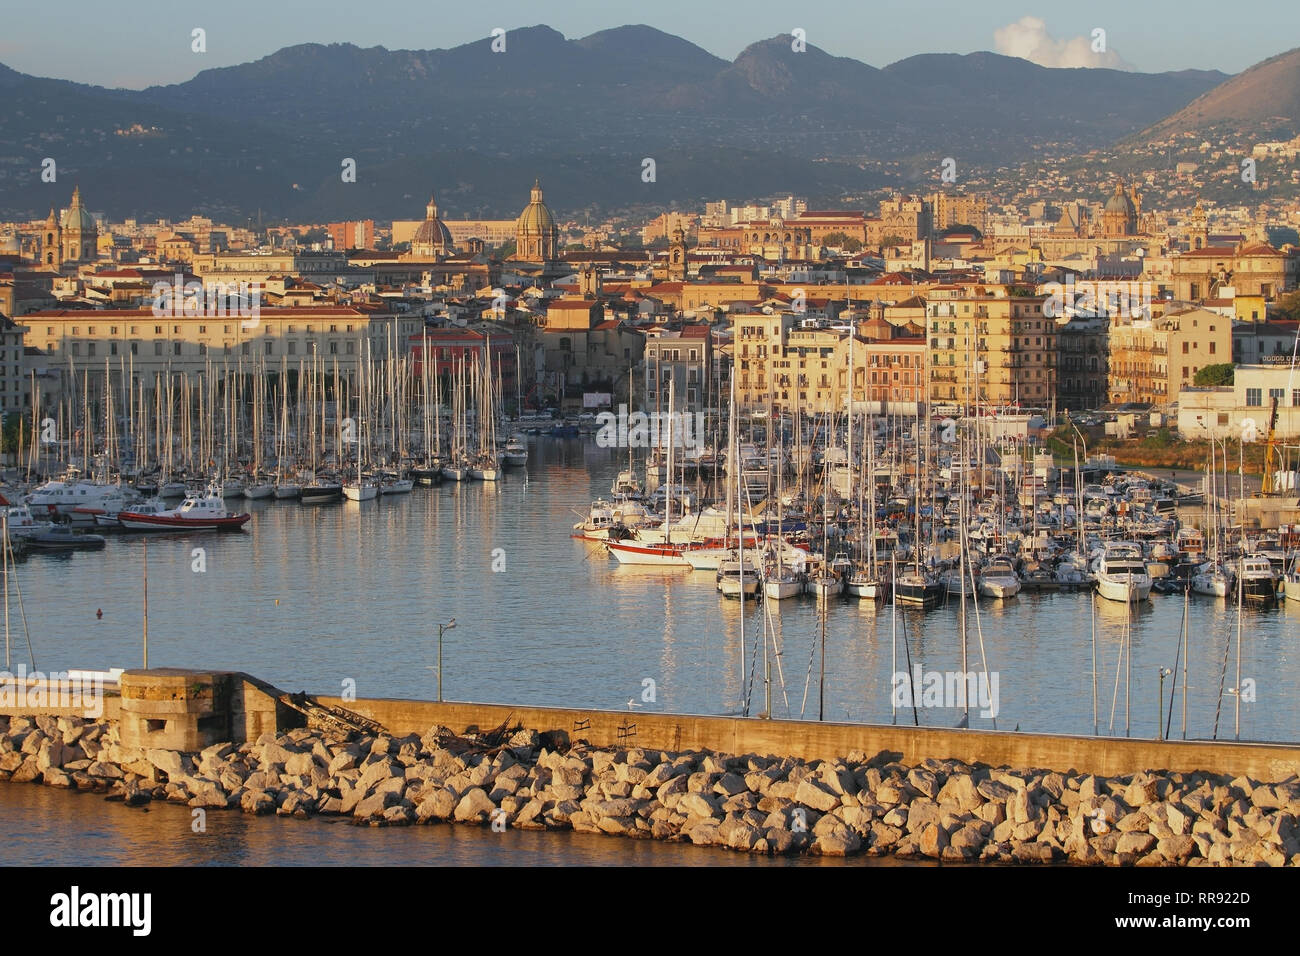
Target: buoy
{"points": [[277, 602], [99, 613]]}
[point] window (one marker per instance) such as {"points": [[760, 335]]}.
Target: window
{"points": [[1278, 393], [243, 348], [1212, 350], [203, 329], [270, 347], [334, 348], [76, 348], [293, 348], [176, 348], [157, 330], [352, 348], [1295, 397], [1253, 397], [135, 348], [112, 348], [225, 329], [157, 348]]}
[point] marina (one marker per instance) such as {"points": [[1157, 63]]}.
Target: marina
{"points": [[291, 597]]}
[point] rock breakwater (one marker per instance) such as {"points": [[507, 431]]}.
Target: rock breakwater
{"points": [[861, 804]]}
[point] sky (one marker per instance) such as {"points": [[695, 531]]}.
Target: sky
{"points": [[141, 43]]}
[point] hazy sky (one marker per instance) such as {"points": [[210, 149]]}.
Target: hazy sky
{"points": [[139, 43]]}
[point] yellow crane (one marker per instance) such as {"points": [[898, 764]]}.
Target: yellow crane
{"points": [[1272, 454]]}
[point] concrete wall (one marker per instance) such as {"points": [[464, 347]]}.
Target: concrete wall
{"points": [[811, 740]]}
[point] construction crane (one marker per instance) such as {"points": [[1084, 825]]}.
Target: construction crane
{"points": [[1272, 454]]}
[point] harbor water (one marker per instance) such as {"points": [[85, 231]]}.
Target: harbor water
{"points": [[347, 598]]}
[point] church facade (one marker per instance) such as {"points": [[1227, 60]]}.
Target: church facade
{"points": [[71, 240]]}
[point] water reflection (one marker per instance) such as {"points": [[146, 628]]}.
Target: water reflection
{"points": [[309, 597]]}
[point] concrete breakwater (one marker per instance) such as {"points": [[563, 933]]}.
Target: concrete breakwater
{"points": [[942, 809]]}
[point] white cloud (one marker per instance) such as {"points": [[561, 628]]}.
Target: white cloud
{"points": [[1028, 39]]}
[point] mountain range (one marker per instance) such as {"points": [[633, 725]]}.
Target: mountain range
{"points": [[478, 126]]}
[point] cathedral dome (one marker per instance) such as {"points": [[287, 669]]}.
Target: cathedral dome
{"points": [[1121, 203], [432, 232], [432, 236], [76, 217], [536, 219]]}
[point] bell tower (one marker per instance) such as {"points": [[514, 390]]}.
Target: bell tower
{"points": [[677, 256], [52, 242]]}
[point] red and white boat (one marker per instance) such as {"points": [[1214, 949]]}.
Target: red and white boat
{"points": [[663, 555], [198, 512]]}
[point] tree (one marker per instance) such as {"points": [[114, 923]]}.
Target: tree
{"points": [[1212, 375], [892, 240], [835, 239], [852, 245], [1288, 306]]}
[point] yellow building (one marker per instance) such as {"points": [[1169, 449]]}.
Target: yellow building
{"points": [[992, 351], [783, 362], [1153, 361]]}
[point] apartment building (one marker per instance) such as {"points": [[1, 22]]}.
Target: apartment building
{"points": [[786, 361], [679, 367], [143, 344], [1152, 361], [992, 351]]}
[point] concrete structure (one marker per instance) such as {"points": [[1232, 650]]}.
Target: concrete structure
{"points": [[815, 740], [1243, 408], [187, 710]]}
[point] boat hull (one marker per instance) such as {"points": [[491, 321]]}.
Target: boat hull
{"points": [[139, 522]]}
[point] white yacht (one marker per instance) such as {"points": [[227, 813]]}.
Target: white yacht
{"points": [[999, 579], [1122, 573]]}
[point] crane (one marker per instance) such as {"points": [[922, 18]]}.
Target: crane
{"points": [[1272, 455]]}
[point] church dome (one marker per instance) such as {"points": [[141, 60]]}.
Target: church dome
{"points": [[1120, 202], [76, 217], [432, 235], [432, 232], [536, 219]]}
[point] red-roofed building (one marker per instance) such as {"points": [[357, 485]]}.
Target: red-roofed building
{"points": [[1253, 268]]}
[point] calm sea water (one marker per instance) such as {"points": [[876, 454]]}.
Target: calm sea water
{"points": [[312, 597], [48, 827]]}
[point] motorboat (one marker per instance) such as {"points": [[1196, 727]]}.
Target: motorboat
{"points": [[199, 512], [516, 452], [1122, 573], [63, 538], [999, 579], [735, 578], [1258, 582]]}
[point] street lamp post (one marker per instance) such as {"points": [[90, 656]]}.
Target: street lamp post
{"points": [[1160, 708], [442, 629]]}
